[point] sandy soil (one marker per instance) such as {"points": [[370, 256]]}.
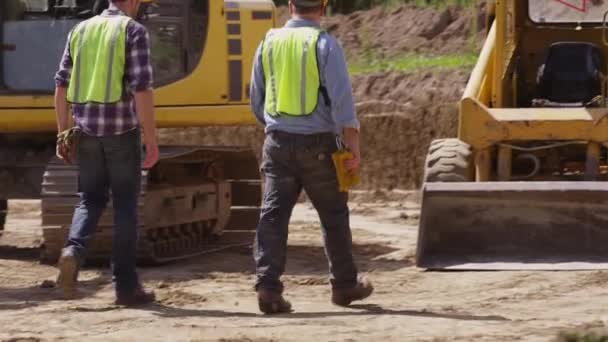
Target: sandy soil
{"points": [[210, 298]]}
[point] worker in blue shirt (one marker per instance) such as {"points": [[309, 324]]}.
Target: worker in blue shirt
{"points": [[301, 93]]}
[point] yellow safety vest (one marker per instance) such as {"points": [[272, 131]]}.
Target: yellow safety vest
{"points": [[289, 57], [98, 48]]}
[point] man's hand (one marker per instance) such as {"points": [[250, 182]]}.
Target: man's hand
{"points": [[353, 164], [61, 112], [351, 139], [67, 144], [144, 102], [63, 153], [152, 155]]}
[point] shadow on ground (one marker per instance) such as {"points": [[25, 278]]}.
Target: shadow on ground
{"points": [[353, 310], [301, 261], [23, 297], [8, 252]]}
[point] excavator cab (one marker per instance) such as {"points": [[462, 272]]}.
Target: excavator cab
{"points": [[523, 186], [571, 75]]}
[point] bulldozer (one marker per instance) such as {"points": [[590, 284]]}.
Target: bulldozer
{"points": [[523, 186], [196, 197]]}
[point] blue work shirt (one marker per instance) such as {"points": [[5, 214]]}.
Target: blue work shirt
{"points": [[330, 117]]}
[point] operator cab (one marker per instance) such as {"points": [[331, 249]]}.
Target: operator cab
{"points": [[564, 53], [571, 76]]}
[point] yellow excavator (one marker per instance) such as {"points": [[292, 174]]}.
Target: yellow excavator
{"points": [[524, 184], [202, 51]]}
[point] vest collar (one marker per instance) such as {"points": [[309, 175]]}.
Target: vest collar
{"points": [[295, 23]]}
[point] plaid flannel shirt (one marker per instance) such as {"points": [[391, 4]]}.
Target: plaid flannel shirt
{"points": [[116, 118]]}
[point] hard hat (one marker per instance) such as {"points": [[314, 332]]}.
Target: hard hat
{"points": [[309, 3]]}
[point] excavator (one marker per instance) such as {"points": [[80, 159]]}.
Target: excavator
{"points": [[196, 196], [523, 186]]}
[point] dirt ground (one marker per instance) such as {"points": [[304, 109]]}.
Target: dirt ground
{"points": [[210, 298]]}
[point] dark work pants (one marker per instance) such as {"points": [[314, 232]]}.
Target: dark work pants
{"points": [[109, 163], [293, 162]]}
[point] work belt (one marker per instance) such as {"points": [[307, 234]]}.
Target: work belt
{"points": [[318, 138]]}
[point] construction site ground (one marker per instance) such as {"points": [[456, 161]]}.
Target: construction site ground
{"points": [[210, 298]]}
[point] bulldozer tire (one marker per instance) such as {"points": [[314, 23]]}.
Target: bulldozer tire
{"points": [[448, 160]]}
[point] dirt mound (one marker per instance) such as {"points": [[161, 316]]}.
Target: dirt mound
{"points": [[400, 114], [405, 29]]}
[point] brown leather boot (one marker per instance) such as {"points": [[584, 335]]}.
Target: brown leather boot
{"points": [[343, 297], [272, 302], [138, 297]]}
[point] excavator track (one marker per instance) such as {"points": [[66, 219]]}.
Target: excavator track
{"points": [[195, 200]]}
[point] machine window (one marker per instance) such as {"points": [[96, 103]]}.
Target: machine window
{"points": [[178, 29], [33, 35], [566, 11]]}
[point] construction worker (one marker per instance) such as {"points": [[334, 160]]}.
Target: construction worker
{"points": [[106, 76], [301, 93]]}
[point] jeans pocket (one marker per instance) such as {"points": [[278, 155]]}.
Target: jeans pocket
{"points": [[267, 153], [321, 153]]}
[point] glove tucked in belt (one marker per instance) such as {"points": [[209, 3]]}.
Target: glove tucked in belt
{"points": [[67, 144]]}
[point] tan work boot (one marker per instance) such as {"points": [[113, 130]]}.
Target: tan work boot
{"points": [[272, 302], [343, 297], [68, 273]]}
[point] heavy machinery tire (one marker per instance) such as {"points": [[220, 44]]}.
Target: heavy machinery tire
{"points": [[448, 160], [3, 213]]}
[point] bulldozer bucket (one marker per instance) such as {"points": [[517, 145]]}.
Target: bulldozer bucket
{"points": [[514, 226]]}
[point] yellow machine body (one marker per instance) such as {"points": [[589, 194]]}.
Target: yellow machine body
{"points": [[215, 92], [523, 186]]}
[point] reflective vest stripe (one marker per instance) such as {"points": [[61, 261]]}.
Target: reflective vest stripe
{"points": [[111, 62], [77, 67], [273, 81], [304, 76]]}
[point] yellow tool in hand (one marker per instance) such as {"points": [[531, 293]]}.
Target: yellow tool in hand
{"points": [[346, 179]]}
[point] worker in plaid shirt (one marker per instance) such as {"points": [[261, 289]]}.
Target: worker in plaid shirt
{"points": [[109, 88]]}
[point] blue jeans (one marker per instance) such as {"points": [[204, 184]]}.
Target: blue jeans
{"points": [[291, 163], [109, 163]]}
